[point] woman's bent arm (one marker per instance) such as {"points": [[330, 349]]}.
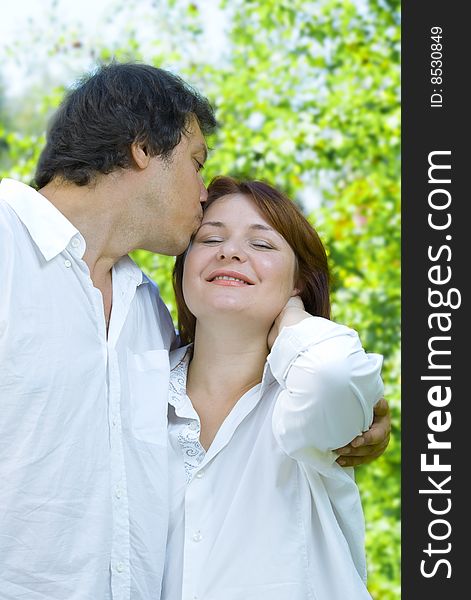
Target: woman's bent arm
{"points": [[329, 387]]}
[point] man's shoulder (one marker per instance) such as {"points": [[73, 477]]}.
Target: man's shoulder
{"points": [[154, 307], [13, 196], [8, 217], [11, 226]]}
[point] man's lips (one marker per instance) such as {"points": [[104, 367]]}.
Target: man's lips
{"points": [[229, 278]]}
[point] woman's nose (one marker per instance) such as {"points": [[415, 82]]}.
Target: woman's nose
{"points": [[231, 251]]}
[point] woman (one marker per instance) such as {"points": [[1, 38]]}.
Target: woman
{"points": [[259, 507]]}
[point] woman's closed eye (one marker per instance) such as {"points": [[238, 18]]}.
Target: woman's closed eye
{"points": [[259, 244], [262, 244], [210, 241]]}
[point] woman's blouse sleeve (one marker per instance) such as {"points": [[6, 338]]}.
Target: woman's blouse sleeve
{"points": [[329, 387]]}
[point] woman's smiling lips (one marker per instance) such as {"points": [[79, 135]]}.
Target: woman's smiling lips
{"points": [[229, 278]]}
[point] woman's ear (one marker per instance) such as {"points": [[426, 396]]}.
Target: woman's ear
{"points": [[298, 288], [140, 155]]}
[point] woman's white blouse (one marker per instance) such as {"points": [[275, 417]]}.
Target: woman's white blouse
{"points": [[266, 513]]}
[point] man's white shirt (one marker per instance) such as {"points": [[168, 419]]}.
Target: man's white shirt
{"points": [[83, 415], [266, 513]]}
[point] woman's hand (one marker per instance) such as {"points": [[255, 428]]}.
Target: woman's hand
{"points": [[293, 312]]}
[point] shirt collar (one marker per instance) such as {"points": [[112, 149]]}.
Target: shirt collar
{"points": [[180, 355], [180, 402], [177, 397], [183, 354], [179, 361], [48, 227], [126, 267], [268, 378]]}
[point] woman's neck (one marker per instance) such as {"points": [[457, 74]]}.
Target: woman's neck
{"points": [[227, 362], [228, 358]]}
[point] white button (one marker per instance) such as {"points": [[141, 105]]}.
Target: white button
{"points": [[75, 243], [67, 263], [194, 425], [114, 421], [197, 537], [120, 567], [199, 475], [118, 493]]}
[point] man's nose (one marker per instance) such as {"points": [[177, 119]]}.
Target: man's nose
{"points": [[203, 191]]}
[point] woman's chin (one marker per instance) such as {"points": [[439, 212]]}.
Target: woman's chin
{"points": [[224, 311], [227, 306]]}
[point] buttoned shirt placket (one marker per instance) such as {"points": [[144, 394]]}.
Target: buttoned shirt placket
{"points": [[124, 288], [125, 282], [199, 484]]}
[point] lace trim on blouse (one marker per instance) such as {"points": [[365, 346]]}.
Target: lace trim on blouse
{"points": [[189, 429]]}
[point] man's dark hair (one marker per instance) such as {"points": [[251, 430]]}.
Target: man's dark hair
{"points": [[119, 104]]}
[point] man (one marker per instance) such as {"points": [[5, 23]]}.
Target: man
{"points": [[84, 338]]}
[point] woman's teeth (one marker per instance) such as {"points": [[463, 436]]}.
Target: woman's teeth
{"points": [[228, 278]]}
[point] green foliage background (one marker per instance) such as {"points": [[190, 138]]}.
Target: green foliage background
{"points": [[308, 97]]}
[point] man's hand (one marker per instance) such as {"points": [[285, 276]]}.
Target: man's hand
{"points": [[372, 443]]}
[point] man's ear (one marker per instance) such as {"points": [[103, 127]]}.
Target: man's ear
{"points": [[140, 155], [295, 292]]}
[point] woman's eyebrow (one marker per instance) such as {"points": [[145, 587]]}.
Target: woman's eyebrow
{"points": [[261, 227], [213, 223], [257, 226]]}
